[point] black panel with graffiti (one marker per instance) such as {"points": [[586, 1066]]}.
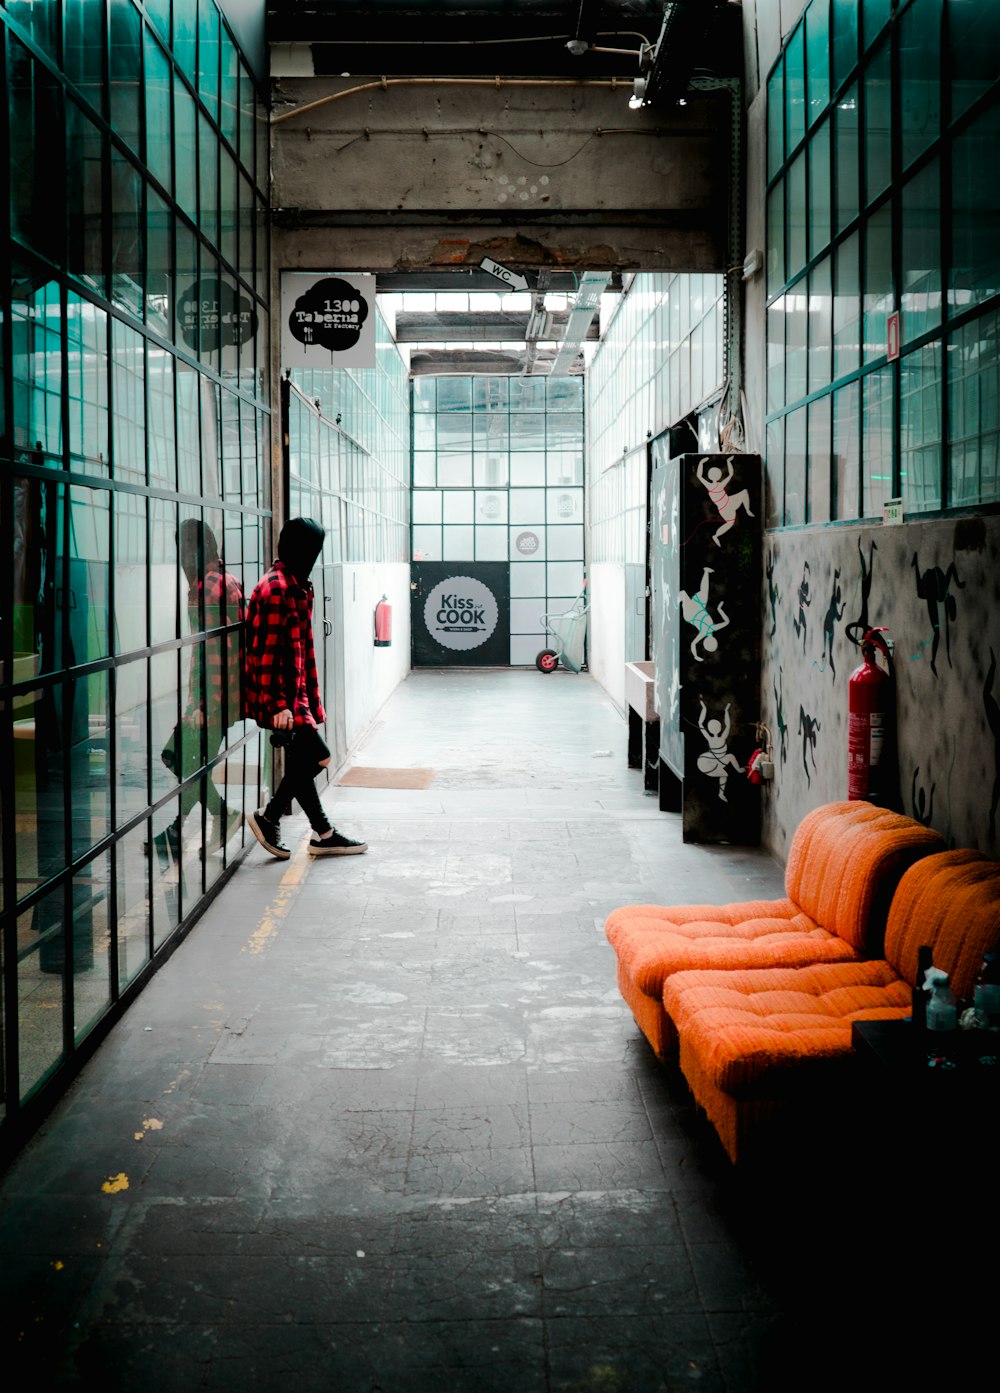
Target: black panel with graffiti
{"points": [[706, 573]]}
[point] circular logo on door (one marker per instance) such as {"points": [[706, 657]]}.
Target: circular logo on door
{"points": [[527, 543], [461, 613]]}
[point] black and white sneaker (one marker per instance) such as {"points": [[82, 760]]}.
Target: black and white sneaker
{"points": [[268, 833], [335, 845]]}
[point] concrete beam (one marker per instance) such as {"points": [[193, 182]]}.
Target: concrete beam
{"points": [[415, 177]]}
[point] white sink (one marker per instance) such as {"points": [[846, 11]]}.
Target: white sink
{"points": [[640, 689]]}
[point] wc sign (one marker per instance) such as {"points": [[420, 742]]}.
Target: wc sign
{"points": [[461, 613]]}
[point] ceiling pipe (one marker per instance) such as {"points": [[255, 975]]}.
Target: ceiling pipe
{"points": [[613, 83]]}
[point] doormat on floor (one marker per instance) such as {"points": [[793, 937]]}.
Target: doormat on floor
{"points": [[361, 776]]}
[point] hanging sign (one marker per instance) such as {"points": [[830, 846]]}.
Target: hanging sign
{"points": [[327, 321], [212, 314]]}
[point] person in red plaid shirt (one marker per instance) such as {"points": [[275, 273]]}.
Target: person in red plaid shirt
{"points": [[215, 600], [282, 690]]}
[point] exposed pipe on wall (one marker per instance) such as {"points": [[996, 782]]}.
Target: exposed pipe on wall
{"points": [[498, 82]]}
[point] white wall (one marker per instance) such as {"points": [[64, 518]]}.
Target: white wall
{"points": [[606, 639], [371, 674]]}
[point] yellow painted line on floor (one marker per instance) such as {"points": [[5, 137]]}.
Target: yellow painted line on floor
{"points": [[277, 912]]}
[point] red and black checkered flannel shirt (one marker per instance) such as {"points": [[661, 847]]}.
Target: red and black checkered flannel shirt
{"points": [[281, 658], [217, 664]]}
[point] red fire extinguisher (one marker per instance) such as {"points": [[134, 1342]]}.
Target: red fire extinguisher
{"points": [[383, 623], [870, 696]]}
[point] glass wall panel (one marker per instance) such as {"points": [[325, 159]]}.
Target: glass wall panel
{"points": [[795, 88], [920, 428], [776, 119], [39, 993], [817, 27], [919, 77], [796, 340], [83, 50], [795, 467], [819, 189], [878, 124], [93, 575], [820, 326], [819, 424], [89, 576], [843, 38], [127, 229], [921, 253], [974, 46], [878, 299], [85, 161], [847, 308], [974, 398], [876, 459], [847, 450], [846, 162], [125, 67], [91, 931], [87, 385], [128, 379], [37, 141], [975, 213]]}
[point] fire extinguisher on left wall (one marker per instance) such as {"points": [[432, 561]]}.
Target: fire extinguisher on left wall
{"points": [[383, 623], [870, 703]]}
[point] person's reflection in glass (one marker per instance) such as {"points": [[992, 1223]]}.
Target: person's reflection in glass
{"points": [[214, 700]]}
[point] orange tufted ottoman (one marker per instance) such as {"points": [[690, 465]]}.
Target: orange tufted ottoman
{"points": [[750, 1039], [843, 866]]}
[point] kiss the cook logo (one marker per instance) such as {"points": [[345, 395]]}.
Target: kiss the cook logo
{"points": [[461, 613]]}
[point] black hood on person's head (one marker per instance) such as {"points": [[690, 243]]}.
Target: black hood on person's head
{"points": [[299, 545]]}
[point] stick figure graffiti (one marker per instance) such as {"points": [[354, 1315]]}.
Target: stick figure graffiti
{"points": [[856, 631], [921, 811], [696, 612], [799, 624], [782, 723], [717, 761], [808, 729], [993, 717], [728, 505], [833, 614], [934, 586], [772, 594]]}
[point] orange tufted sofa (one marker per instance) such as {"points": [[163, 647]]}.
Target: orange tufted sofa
{"points": [[843, 866], [750, 1040]]}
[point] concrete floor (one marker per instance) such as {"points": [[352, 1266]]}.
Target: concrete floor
{"points": [[384, 1125]]}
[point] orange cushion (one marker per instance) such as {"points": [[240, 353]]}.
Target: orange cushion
{"points": [[652, 941], [952, 903], [845, 862], [739, 1028]]}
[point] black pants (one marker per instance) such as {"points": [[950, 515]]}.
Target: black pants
{"points": [[303, 758]]}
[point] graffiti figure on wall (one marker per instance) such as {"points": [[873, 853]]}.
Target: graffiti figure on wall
{"points": [[993, 716], [934, 587], [833, 614], [696, 612], [717, 760], [799, 623], [727, 504], [856, 631], [808, 729], [782, 723], [772, 594], [923, 808]]}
